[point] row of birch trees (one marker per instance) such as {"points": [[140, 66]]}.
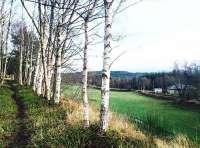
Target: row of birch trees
{"points": [[5, 27], [59, 31]]}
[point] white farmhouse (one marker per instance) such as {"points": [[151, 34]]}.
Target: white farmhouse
{"points": [[174, 89], [157, 90]]}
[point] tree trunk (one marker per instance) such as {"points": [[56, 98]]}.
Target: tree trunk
{"points": [[20, 66], [40, 79], [37, 66], [42, 23], [84, 80], [57, 74], [105, 88], [26, 67], [45, 68], [31, 65], [1, 51], [50, 51], [2, 24]]}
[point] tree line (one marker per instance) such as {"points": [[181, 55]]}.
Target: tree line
{"points": [[187, 75]]}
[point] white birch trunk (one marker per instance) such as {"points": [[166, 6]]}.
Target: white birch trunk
{"points": [[1, 50], [37, 66], [105, 87], [20, 66], [45, 69], [2, 23], [57, 77], [42, 22], [39, 80], [26, 67], [49, 51], [31, 66], [58, 68], [84, 80]]}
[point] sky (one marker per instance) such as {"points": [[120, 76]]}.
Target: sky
{"points": [[157, 33]]}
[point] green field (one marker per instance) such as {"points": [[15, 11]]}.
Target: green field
{"points": [[160, 114]]}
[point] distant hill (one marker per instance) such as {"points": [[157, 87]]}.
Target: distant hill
{"points": [[125, 74], [116, 74], [120, 74]]}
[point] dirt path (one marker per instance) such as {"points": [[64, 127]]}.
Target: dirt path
{"points": [[22, 134]]}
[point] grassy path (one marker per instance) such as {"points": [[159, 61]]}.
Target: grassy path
{"points": [[22, 134]]}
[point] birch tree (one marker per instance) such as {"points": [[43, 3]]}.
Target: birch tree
{"points": [[2, 25], [109, 13], [30, 70], [20, 72], [86, 20], [105, 86], [57, 78]]}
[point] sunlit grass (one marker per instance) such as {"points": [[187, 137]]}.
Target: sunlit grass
{"points": [[7, 115]]}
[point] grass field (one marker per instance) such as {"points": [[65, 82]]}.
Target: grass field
{"points": [[162, 116]]}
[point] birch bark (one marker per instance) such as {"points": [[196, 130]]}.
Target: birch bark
{"points": [[37, 66], [31, 64], [84, 80], [1, 48], [105, 86], [57, 83], [39, 80], [2, 23], [26, 66], [20, 65]]}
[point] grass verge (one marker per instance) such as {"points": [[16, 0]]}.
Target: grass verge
{"points": [[7, 115]]}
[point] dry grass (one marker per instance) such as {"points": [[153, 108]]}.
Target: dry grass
{"points": [[179, 141], [75, 109]]}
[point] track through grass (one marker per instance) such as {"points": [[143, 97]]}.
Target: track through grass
{"points": [[23, 133]]}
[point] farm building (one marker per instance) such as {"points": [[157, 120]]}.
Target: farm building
{"points": [[174, 89], [180, 88], [157, 90]]}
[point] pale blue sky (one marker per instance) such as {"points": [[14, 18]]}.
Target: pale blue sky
{"points": [[159, 32]]}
